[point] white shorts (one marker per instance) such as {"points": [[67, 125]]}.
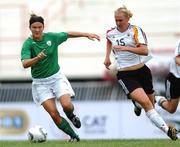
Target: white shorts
{"points": [[51, 87]]}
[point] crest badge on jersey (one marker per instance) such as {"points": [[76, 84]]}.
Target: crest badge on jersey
{"points": [[48, 43]]}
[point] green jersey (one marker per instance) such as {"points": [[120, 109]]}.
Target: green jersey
{"points": [[49, 43]]}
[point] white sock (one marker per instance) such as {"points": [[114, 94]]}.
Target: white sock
{"points": [[157, 120], [160, 99]]}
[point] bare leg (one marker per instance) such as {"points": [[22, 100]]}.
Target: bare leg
{"points": [[140, 96], [61, 123], [151, 97], [168, 105], [68, 108], [66, 103], [50, 106]]}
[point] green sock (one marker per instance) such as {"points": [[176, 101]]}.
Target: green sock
{"points": [[69, 114], [65, 127]]}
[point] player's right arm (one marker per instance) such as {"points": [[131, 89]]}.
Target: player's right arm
{"points": [[29, 62], [107, 61], [27, 58]]}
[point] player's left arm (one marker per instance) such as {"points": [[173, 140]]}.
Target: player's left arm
{"points": [[91, 36], [141, 49], [140, 39]]}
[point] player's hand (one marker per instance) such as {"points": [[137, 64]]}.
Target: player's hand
{"points": [[42, 54], [93, 36], [107, 63]]}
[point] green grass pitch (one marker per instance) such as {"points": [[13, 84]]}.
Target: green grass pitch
{"points": [[95, 143]]}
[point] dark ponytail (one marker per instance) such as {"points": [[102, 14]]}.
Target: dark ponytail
{"points": [[34, 18]]}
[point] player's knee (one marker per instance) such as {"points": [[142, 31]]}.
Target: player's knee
{"points": [[67, 106], [172, 110]]}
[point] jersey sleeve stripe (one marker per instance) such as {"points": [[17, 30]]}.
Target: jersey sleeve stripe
{"points": [[144, 36], [108, 32], [136, 35]]}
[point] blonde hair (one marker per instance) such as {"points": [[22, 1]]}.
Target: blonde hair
{"points": [[124, 10]]}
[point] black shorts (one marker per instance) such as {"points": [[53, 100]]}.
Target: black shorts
{"points": [[173, 86], [140, 78]]}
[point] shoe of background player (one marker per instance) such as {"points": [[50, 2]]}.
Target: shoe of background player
{"points": [[137, 108], [74, 139], [172, 133], [76, 121], [137, 111]]}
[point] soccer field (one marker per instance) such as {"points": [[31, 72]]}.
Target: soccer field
{"points": [[95, 143]]}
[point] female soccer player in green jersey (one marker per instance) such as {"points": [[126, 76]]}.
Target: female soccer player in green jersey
{"points": [[40, 52]]}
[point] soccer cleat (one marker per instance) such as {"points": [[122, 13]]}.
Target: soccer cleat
{"points": [[76, 121], [172, 133], [137, 109], [74, 139]]}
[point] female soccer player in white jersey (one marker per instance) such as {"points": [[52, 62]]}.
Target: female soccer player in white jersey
{"points": [[40, 52], [172, 84], [129, 44]]}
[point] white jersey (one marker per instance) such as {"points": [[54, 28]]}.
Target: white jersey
{"points": [[175, 68], [132, 37]]}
